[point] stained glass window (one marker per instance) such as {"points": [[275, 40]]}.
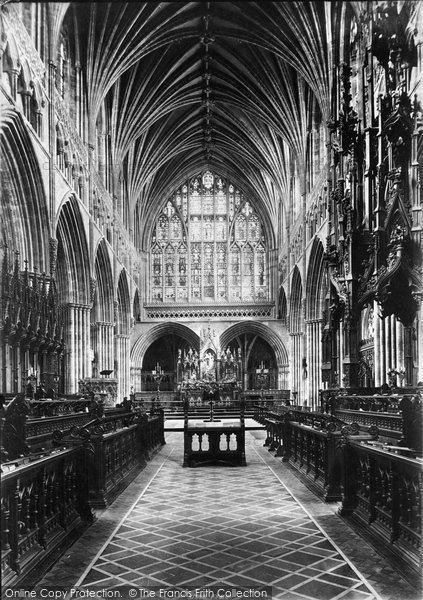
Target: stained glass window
{"points": [[208, 245]]}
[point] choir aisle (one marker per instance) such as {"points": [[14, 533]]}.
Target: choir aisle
{"points": [[230, 527]]}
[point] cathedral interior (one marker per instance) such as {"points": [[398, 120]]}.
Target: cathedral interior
{"points": [[211, 257]]}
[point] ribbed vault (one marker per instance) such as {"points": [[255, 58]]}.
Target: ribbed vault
{"points": [[232, 86]]}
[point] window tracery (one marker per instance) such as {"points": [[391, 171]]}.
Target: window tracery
{"points": [[208, 245]]}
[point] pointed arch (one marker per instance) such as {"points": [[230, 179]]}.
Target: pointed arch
{"points": [[314, 283], [136, 307], [103, 298], [24, 217], [282, 305], [73, 264], [296, 316], [124, 305], [141, 345], [258, 329]]}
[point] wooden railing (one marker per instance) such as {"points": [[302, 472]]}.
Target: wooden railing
{"points": [[28, 425], [60, 407], [309, 442], [398, 415], [278, 407], [382, 491], [380, 484], [119, 444], [375, 403], [215, 441], [151, 432], [47, 497], [314, 453], [44, 507], [389, 424]]}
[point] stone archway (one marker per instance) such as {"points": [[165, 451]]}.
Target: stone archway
{"points": [[159, 346], [260, 348]]}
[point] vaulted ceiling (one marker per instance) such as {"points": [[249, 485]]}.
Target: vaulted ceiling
{"points": [[228, 85]]}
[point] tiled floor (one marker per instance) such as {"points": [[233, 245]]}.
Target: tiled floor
{"points": [[215, 526]]}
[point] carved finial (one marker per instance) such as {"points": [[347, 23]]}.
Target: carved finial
{"points": [[93, 287], [35, 280], [53, 255]]}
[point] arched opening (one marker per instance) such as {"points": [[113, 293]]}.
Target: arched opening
{"points": [[122, 331], [282, 306], [159, 348], [313, 325], [136, 308], [162, 355], [264, 356], [73, 286], [24, 219], [29, 295], [102, 313], [296, 327]]}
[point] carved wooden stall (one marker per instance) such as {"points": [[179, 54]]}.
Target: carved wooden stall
{"points": [[367, 452], [120, 443], [44, 508], [310, 443], [32, 340], [397, 413], [382, 494], [58, 462]]}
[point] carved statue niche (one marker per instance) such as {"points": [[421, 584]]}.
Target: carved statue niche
{"points": [[208, 366], [398, 129], [399, 284]]}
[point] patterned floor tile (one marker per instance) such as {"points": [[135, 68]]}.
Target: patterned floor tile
{"points": [[235, 527]]}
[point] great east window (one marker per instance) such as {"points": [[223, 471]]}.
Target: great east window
{"points": [[208, 245]]}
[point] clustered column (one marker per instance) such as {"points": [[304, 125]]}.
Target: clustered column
{"points": [[314, 358], [122, 353], [389, 348], [77, 328], [297, 380]]}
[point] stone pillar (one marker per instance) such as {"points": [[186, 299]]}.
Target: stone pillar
{"points": [[52, 68], [314, 360], [77, 337], [383, 362], [310, 358], [393, 336], [6, 384], [408, 355], [123, 367], [296, 366], [103, 339], [71, 383], [377, 325]]}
